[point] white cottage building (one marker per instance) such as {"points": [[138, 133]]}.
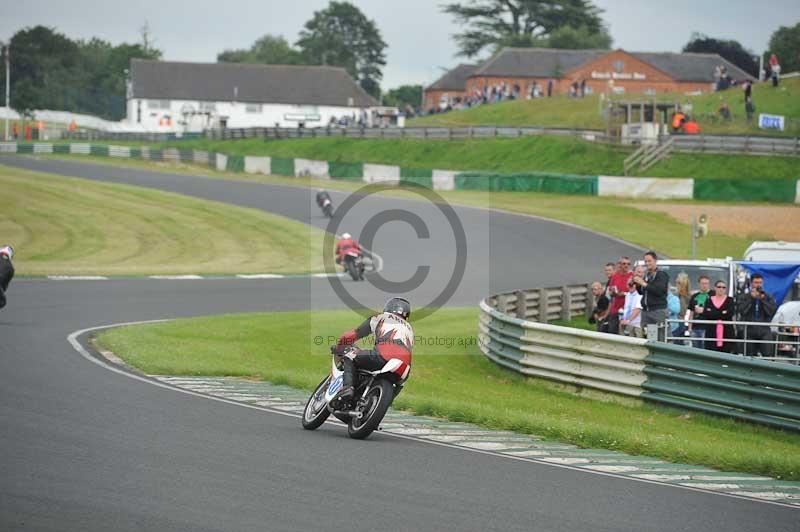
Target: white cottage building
{"points": [[176, 96]]}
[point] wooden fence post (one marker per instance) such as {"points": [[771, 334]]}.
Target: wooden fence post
{"points": [[543, 305], [566, 303]]}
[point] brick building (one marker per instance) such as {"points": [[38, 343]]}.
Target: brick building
{"points": [[615, 71]]}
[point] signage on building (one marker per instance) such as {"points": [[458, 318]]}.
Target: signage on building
{"points": [[297, 117], [771, 121], [618, 75]]}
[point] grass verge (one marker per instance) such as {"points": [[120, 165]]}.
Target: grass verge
{"points": [[69, 226], [612, 216], [455, 382]]}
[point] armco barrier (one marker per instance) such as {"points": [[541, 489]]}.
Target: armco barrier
{"points": [[742, 388], [720, 383], [772, 190], [582, 358]]}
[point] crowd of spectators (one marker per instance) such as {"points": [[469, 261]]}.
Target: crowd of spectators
{"points": [[503, 91], [632, 299]]}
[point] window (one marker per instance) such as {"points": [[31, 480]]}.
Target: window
{"points": [[208, 107], [158, 104], [253, 108]]}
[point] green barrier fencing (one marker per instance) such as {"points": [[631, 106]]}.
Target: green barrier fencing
{"points": [[769, 190], [155, 154], [417, 176], [282, 166], [235, 163], [719, 383], [136, 153], [346, 171], [99, 150], [528, 182], [24, 148], [60, 148]]}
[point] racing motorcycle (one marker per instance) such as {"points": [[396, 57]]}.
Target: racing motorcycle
{"points": [[374, 393], [354, 264], [327, 207]]}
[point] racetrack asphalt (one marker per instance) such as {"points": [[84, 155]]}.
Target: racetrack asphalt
{"points": [[86, 449]]}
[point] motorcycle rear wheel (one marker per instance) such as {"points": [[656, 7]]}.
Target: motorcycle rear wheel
{"points": [[378, 398], [316, 411]]}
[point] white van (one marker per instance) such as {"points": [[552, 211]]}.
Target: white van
{"points": [[773, 252]]}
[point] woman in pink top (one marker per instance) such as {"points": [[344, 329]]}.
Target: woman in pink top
{"points": [[720, 308]]}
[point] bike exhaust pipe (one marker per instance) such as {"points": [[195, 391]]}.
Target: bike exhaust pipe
{"points": [[352, 413]]}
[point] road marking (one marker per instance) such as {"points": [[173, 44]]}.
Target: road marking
{"points": [[260, 276], [176, 277], [77, 278], [293, 400]]}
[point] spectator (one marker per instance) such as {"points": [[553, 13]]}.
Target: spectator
{"points": [[631, 322], [609, 271], [720, 308], [583, 88], [774, 69], [749, 109], [617, 289], [759, 306], [696, 311], [653, 288], [673, 315], [747, 87], [549, 87], [678, 119], [690, 127], [724, 111], [600, 311], [684, 293]]}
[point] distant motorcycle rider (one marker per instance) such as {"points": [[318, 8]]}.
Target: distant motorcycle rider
{"points": [[6, 272], [345, 244], [322, 195], [394, 339]]}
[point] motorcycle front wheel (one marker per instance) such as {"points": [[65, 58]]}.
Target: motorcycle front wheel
{"points": [[316, 410], [352, 269], [373, 407]]}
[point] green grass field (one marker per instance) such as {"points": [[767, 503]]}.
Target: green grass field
{"points": [[457, 383], [562, 111], [615, 217], [68, 226], [539, 153]]}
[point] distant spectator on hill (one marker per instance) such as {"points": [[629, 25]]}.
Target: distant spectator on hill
{"points": [[724, 111], [678, 120], [549, 87], [583, 88], [749, 109], [691, 127], [774, 69], [747, 88], [599, 315]]}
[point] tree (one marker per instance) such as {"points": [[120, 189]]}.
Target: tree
{"points": [[404, 95], [341, 35], [731, 50], [51, 71], [579, 38], [785, 43], [494, 24], [268, 50]]}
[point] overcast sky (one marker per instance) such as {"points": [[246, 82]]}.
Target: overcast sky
{"points": [[418, 34]]}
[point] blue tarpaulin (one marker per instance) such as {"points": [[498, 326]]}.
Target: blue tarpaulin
{"points": [[778, 276]]}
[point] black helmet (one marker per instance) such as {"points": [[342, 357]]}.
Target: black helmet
{"points": [[398, 306]]}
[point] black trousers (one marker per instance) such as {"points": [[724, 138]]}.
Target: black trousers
{"points": [[2, 298], [362, 359]]}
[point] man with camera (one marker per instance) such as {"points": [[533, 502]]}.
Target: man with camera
{"points": [[653, 287], [759, 306]]}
